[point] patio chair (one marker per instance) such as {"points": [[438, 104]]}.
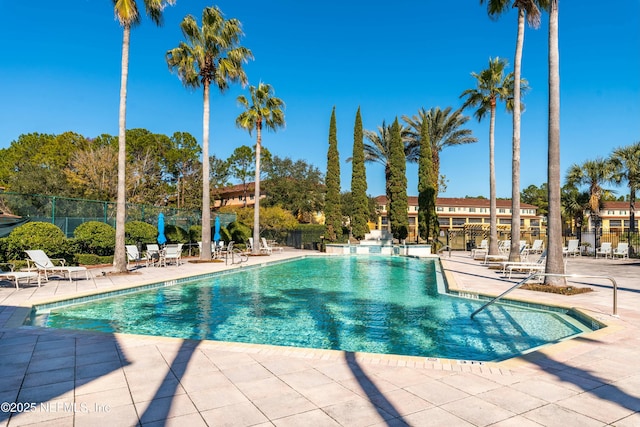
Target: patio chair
{"points": [[133, 254], [483, 247], [572, 248], [622, 250], [43, 264], [605, 250], [264, 247], [10, 274], [525, 267], [171, 253], [537, 247], [153, 254]]}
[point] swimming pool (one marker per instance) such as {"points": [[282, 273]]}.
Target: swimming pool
{"points": [[372, 304]]}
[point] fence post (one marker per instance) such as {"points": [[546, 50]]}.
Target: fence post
{"points": [[53, 210]]}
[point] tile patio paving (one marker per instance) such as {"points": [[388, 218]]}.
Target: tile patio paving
{"points": [[93, 379]]}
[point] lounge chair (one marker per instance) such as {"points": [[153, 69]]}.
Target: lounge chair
{"points": [[153, 254], [264, 247], [43, 264], [537, 247], [480, 249], [504, 247], [171, 253], [605, 250], [572, 248], [525, 267], [9, 274], [133, 254], [622, 250]]}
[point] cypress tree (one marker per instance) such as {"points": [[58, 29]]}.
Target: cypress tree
{"points": [[427, 181], [399, 203], [359, 226], [332, 209]]}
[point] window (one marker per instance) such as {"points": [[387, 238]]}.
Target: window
{"points": [[459, 221], [472, 209], [443, 221], [504, 221], [475, 220], [535, 223], [439, 209], [615, 223], [412, 220], [501, 210], [452, 209]]}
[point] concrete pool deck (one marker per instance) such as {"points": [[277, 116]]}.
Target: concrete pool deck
{"points": [[71, 378]]}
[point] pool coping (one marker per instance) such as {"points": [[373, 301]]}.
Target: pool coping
{"points": [[444, 283]]}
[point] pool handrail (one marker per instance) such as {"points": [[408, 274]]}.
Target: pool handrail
{"points": [[526, 279], [443, 248]]}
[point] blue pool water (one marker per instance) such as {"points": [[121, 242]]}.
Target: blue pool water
{"points": [[354, 303]]}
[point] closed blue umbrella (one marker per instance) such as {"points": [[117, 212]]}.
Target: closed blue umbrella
{"points": [[216, 234], [162, 239]]}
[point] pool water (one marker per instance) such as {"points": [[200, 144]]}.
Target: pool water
{"points": [[355, 303]]}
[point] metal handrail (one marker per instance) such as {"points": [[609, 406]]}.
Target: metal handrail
{"points": [[526, 279]]}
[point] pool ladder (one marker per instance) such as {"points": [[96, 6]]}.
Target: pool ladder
{"points": [[537, 274]]}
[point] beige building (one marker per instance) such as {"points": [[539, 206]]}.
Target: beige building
{"points": [[459, 214]]}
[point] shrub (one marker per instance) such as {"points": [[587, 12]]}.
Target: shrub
{"points": [[95, 237], [195, 233], [139, 232], [176, 234], [92, 259], [4, 248], [238, 232], [37, 235]]}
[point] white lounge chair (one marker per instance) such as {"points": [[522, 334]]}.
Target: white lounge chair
{"points": [[524, 267], [537, 247], [482, 248], [153, 254], [9, 274], [264, 247], [133, 254], [622, 250], [572, 248], [43, 264], [605, 250], [171, 253]]}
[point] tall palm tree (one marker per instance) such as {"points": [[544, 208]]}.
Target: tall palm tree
{"points": [[128, 15], [492, 85], [445, 130], [211, 55], [265, 109], [626, 164], [530, 10], [555, 264], [574, 203]]}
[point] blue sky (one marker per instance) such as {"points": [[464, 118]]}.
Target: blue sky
{"points": [[61, 72]]}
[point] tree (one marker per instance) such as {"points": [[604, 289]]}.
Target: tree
{"points": [[427, 184], [398, 202], [182, 164], [332, 209], [242, 166], [594, 174], [359, 224], [537, 196], [527, 8], [127, 13], [445, 130], [90, 172], [265, 109], [626, 165], [211, 55], [296, 186], [492, 85], [574, 203]]}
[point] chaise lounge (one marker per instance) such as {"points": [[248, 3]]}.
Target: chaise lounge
{"points": [[43, 264]]}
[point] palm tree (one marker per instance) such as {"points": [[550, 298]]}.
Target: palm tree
{"points": [[626, 164], [264, 108], [555, 264], [592, 173], [492, 86], [574, 203], [211, 55], [445, 130], [528, 8], [127, 13]]}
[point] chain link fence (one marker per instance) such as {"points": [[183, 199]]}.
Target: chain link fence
{"points": [[69, 213]]}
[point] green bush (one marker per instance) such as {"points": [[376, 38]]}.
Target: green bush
{"points": [[195, 233], [37, 235], [95, 237], [93, 259], [175, 234], [4, 247], [238, 232], [140, 232]]}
